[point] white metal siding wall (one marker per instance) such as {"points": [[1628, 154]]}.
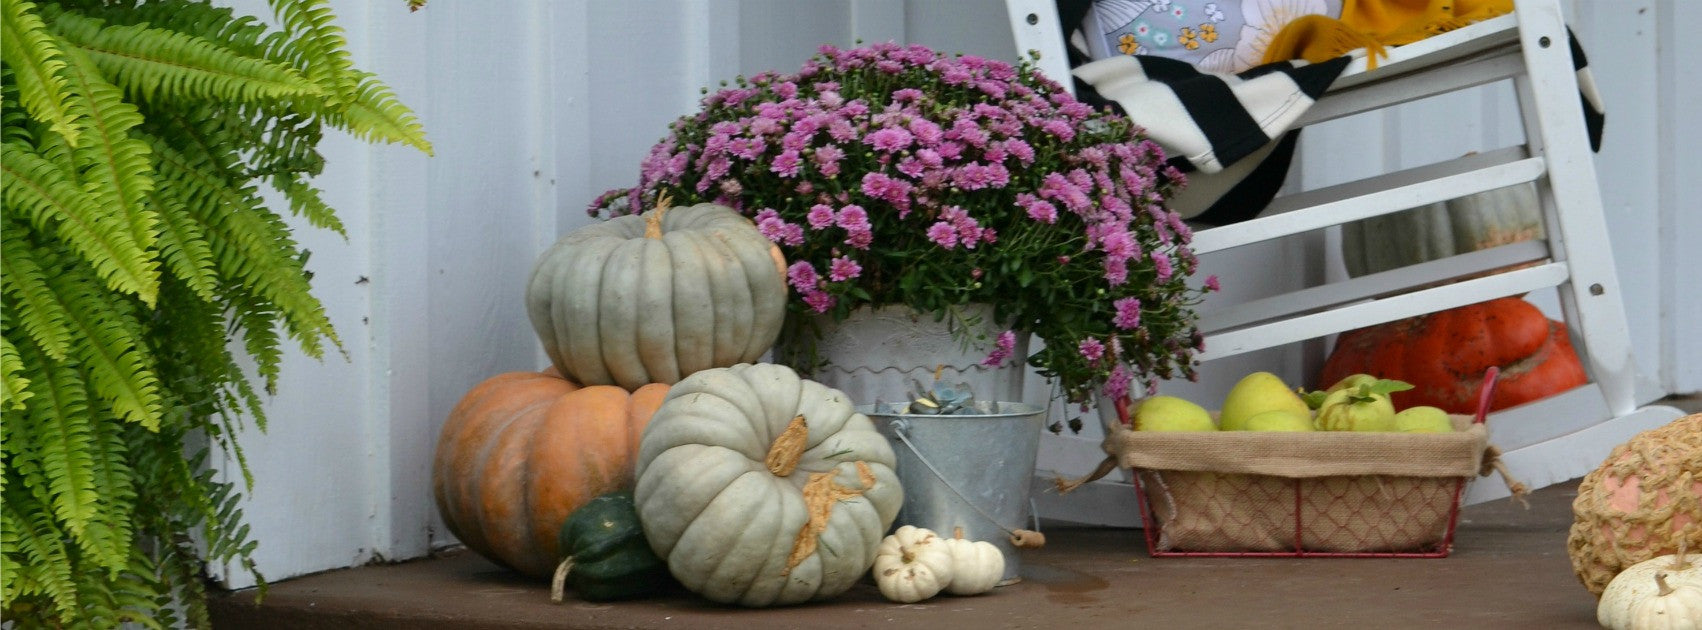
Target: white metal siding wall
{"points": [[535, 106]]}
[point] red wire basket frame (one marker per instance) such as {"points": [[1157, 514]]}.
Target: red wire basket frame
{"points": [[1150, 525]]}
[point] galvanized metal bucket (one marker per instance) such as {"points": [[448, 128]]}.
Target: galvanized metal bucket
{"points": [[966, 471]]}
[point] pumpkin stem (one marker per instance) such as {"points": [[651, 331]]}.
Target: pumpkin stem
{"points": [[653, 223], [1661, 581], [558, 584], [783, 456], [1679, 563]]}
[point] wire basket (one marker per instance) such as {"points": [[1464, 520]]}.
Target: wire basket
{"points": [[1335, 498]]}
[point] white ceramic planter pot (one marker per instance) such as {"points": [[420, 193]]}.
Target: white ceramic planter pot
{"points": [[873, 355]]}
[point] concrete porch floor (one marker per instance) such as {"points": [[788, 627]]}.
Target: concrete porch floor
{"points": [[1509, 569]]}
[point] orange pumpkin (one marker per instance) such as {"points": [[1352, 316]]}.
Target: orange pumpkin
{"points": [[1643, 500], [523, 450], [1445, 354]]}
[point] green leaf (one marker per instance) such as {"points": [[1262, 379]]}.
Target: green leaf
{"points": [[35, 60], [322, 46], [115, 167], [14, 388], [1384, 387], [36, 309], [37, 190], [158, 64]]}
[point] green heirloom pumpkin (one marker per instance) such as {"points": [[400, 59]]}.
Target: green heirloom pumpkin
{"points": [[605, 555], [653, 298], [762, 488], [1439, 230]]}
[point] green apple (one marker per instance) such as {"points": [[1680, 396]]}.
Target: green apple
{"points": [[1423, 419], [1280, 420], [1169, 413], [1257, 393]]}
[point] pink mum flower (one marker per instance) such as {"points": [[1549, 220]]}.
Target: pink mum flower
{"points": [[943, 234], [820, 301], [802, 276], [843, 268], [1091, 349], [820, 216], [1128, 313], [1211, 283], [1002, 349]]}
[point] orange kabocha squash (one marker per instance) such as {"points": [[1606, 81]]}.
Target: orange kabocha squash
{"points": [[523, 450], [1445, 354]]}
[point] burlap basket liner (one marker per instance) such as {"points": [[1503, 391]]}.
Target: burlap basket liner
{"points": [[1354, 492]]}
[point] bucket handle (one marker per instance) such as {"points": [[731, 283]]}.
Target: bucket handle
{"points": [[1022, 538]]}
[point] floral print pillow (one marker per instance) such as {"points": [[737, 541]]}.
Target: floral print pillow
{"points": [[1215, 36]]}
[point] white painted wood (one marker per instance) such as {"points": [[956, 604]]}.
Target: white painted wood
{"points": [[1400, 280], [1345, 318], [1368, 198]]}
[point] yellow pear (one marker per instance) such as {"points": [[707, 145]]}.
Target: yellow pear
{"points": [[1280, 420], [1423, 419], [1353, 381], [1353, 410], [1257, 393], [1169, 413]]}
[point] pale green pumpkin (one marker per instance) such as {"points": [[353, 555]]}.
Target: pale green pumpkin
{"points": [[760, 488], [1439, 230], [653, 298]]}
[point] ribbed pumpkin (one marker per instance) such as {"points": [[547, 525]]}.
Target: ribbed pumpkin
{"points": [[653, 298], [761, 488], [523, 450], [1639, 504], [1439, 230], [1445, 354]]}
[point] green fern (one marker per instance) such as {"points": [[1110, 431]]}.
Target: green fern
{"points": [[138, 138]]}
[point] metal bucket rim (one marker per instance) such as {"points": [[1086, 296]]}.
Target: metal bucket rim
{"points": [[1018, 410]]}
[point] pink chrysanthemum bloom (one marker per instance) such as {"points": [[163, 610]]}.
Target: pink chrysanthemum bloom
{"points": [[1091, 349], [1128, 313], [843, 269], [1003, 347]]}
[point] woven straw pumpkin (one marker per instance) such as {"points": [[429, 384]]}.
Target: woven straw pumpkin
{"points": [[1644, 498]]}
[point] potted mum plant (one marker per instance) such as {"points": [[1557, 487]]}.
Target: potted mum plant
{"points": [[895, 175]]}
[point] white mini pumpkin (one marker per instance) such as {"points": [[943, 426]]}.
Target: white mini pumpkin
{"points": [[976, 566], [1672, 608], [761, 488], [1636, 584], [913, 564]]}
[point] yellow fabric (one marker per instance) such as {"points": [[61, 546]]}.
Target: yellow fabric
{"points": [[1375, 24]]}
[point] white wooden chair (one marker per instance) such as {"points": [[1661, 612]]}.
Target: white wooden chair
{"points": [[1544, 442]]}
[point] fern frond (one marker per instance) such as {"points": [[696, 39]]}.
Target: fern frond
{"points": [[305, 203], [38, 561], [59, 433], [110, 536], [106, 334], [376, 115], [14, 388], [323, 49], [32, 304], [184, 248], [157, 63], [30, 52], [249, 245], [37, 190], [116, 166]]}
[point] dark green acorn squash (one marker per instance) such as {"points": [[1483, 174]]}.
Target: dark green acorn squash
{"points": [[604, 553]]}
